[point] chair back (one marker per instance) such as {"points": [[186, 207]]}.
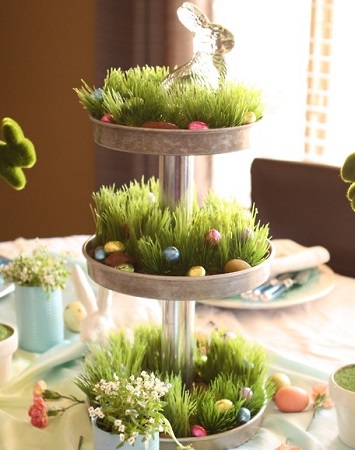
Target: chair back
{"points": [[306, 202]]}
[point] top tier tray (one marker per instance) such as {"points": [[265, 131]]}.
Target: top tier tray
{"points": [[154, 141]]}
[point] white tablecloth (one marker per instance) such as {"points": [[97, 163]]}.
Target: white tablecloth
{"points": [[309, 339]]}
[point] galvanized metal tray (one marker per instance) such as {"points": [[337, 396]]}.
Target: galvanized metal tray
{"points": [[153, 141], [175, 287]]}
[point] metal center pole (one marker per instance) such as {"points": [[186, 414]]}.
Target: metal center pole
{"points": [[176, 179]]}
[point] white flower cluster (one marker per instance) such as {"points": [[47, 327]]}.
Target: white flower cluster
{"points": [[41, 268], [130, 406]]}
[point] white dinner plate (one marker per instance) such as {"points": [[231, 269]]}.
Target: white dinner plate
{"points": [[6, 288], [321, 282]]}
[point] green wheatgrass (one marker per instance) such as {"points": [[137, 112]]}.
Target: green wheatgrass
{"points": [[345, 378], [5, 332]]}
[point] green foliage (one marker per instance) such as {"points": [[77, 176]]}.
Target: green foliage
{"points": [[119, 356], [180, 406], [16, 153], [208, 415], [224, 364], [137, 95], [347, 174], [133, 215]]}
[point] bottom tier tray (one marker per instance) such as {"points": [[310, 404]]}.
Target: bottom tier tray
{"points": [[176, 287], [221, 441]]}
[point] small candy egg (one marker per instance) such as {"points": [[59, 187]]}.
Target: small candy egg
{"points": [[224, 405], [198, 431], [235, 265], [171, 254], [116, 258], [151, 198], [73, 313], [291, 399], [196, 125], [246, 234], [114, 246], [107, 118], [97, 94], [125, 267], [279, 380], [99, 253], [196, 271], [249, 117], [243, 415], [246, 393], [213, 237]]}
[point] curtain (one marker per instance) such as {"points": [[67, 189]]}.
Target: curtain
{"points": [[140, 32]]}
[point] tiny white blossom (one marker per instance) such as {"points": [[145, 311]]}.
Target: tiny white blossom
{"points": [[131, 440]]}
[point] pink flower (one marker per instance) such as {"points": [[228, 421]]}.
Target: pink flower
{"points": [[320, 396], [38, 413], [39, 388]]}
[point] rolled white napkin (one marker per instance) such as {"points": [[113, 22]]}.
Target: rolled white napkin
{"points": [[291, 257]]}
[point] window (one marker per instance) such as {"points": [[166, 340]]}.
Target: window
{"points": [[299, 53]]}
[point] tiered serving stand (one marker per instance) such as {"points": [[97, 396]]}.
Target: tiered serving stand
{"points": [[176, 150]]}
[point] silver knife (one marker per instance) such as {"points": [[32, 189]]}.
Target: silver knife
{"points": [[299, 279], [254, 294]]}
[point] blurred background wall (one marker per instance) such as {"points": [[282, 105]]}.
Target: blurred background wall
{"points": [[46, 49]]}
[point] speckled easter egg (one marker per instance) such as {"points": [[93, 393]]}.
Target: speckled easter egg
{"points": [[116, 258], [235, 265], [197, 125], [213, 237], [246, 393], [73, 313], [196, 271], [107, 118], [125, 267], [246, 234], [291, 399], [171, 254], [279, 379], [243, 415], [99, 253], [249, 117], [198, 431], [114, 246], [224, 405]]}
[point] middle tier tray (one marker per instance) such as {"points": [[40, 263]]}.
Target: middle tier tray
{"points": [[163, 287]]}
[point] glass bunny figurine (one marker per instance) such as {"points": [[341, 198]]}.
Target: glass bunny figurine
{"points": [[210, 43]]}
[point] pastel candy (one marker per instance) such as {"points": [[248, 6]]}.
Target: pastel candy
{"points": [[114, 246]]}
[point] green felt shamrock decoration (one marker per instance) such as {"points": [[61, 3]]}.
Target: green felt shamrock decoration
{"points": [[347, 173], [16, 153]]}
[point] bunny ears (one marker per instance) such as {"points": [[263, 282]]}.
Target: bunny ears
{"points": [[210, 43], [192, 17]]}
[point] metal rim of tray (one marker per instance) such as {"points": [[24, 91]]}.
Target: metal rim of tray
{"points": [[221, 441], [154, 141], [162, 287]]}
